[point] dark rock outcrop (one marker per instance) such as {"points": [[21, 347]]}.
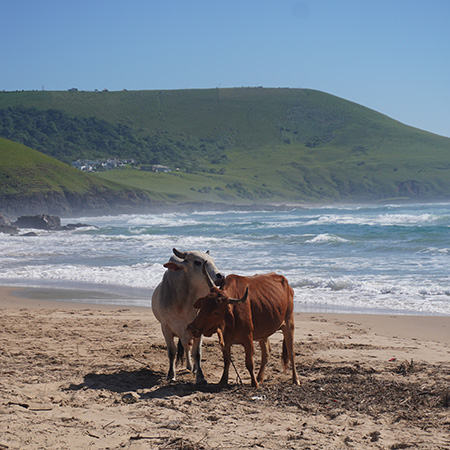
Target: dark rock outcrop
{"points": [[46, 222], [40, 222], [4, 221], [74, 226], [30, 233], [6, 226]]}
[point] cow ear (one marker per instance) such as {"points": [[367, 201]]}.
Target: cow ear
{"points": [[207, 252], [198, 304], [173, 266]]}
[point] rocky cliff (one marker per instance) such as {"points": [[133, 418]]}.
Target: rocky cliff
{"points": [[68, 204]]}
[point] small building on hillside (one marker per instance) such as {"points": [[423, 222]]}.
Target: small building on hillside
{"points": [[156, 168]]}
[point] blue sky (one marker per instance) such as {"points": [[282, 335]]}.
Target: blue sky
{"points": [[392, 56]]}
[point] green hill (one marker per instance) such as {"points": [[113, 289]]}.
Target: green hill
{"points": [[236, 145], [31, 182]]}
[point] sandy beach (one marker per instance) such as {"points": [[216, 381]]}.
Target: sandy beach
{"points": [[77, 376]]}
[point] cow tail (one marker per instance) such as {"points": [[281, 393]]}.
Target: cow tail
{"points": [[180, 352], [285, 356]]}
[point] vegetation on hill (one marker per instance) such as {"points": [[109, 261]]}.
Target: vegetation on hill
{"points": [[24, 171], [68, 138], [244, 144], [33, 182]]}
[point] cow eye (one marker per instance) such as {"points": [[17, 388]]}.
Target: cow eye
{"points": [[197, 263]]}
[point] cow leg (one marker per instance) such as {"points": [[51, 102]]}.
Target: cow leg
{"points": [[288, 345], [188, 359], [265, 353], [171, 351], [180, 352], [226, 351], [249, 350], [197, 354], [187, 344]]}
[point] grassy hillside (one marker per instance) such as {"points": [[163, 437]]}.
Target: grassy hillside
{"points": [[24, 171], [31, 182], [246, 144]]}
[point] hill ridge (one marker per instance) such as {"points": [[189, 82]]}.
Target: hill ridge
{"points": [[239, 144]]}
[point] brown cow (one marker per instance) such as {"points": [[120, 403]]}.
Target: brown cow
{"points": [[244, 310]]}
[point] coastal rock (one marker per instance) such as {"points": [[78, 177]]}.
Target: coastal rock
{"points": [[40, 222], [8, 230], [69, 204], [4, 221], [74, 226], [6, 226]]}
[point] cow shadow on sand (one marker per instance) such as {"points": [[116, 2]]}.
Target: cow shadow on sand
{"points": [[153, 384]]}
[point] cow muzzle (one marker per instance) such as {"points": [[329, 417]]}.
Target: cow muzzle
{"points": [[220, 280]]}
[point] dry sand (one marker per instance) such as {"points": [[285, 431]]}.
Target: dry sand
{"points": [[79, 376]]}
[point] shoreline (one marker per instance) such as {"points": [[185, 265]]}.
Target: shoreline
{"points": [[414, 326], [119, 296], [13, 297], [204, 206]]}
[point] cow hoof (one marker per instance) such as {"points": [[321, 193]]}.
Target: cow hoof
{"points": [[201, 382]]}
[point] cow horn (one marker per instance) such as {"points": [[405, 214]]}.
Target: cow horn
{"points": [[181, 255], [207, 277], [234, 301]]}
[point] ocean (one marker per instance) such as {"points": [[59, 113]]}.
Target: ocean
{"points": [[387, 259]]}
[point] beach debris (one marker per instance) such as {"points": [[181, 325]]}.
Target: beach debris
{"points": [[22, 405], [173, 425], [375, 436], [138, 437], [88, 433], [405, 368], [445, 399], [130, 397], [176, 443], [258, 397]]}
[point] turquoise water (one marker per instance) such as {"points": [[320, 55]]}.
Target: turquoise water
{"points": [[367, 259]]}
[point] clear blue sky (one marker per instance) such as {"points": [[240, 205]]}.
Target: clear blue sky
{"points": [[392, 56]]}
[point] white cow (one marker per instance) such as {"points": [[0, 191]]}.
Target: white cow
{"points": [[173, 304]]}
